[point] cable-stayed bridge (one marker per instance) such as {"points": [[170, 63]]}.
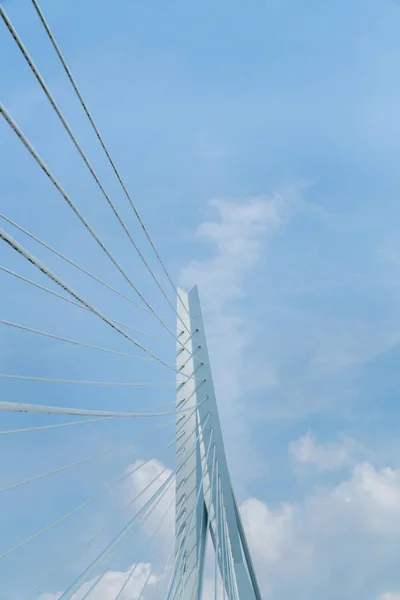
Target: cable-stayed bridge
{"points": [[79, 518]]}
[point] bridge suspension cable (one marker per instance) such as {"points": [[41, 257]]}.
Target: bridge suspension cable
{"points": [[103, 145], [111, 492], [74, 303], [71, 262], [21, 250], [74, 140], [78, 213]]}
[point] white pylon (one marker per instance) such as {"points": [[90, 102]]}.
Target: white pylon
{"points": [[203, 485]]}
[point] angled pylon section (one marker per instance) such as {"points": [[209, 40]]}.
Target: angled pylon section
{"points": [[204, 495]]}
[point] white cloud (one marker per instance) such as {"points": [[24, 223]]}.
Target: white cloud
{"points": [[278, 553], [345, 530], [389, 596], [141, 478], [237, 237], [369, 502], [267, 531], [326, 457], [111, 584], [138, 481], [370, 498]]}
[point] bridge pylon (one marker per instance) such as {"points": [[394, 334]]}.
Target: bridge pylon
{"points": [[205, 501]]}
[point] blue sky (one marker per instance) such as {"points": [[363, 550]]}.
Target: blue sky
{"points": [[260, 143]]}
